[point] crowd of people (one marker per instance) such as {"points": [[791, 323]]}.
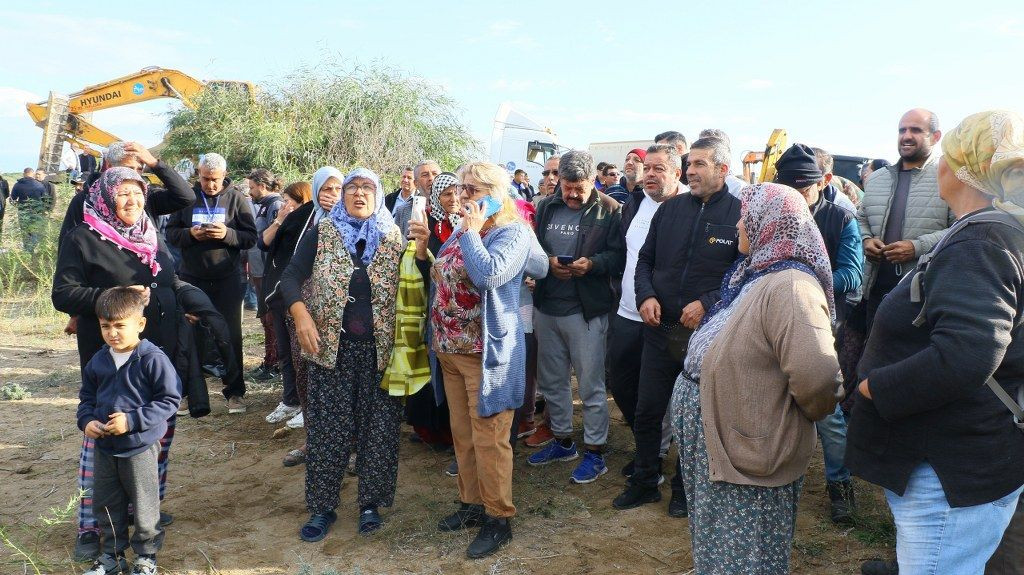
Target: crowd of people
{"points": [[741, 322]]}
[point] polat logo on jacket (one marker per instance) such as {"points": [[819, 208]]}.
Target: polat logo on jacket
{"points": [[722, 241]]}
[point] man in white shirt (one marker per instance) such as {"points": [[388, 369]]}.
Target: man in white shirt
{"points": [[661, 168]]}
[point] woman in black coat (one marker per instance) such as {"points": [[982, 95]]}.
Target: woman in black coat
{"points": [[116, 245], [927, 424]]}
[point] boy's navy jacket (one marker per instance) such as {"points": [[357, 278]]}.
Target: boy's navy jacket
{"points": [[146, 389]]}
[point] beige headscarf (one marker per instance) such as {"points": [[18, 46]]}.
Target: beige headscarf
{"points": [[986, 152]]}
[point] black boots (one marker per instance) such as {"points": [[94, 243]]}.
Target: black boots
{"points": [[840, 493], [468, 515], [496, 532]]}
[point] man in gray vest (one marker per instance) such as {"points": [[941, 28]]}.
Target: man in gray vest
{"points": [[902, 215]]}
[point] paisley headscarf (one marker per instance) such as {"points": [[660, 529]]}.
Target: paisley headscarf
{"points": [[982, 152], [441, 183], [319, 179], [782, 235], [100, 214], [369, 230]]}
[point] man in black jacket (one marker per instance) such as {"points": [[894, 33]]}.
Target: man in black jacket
{"points": [[212, 236], [579, 230], [691, 243], [29, 195]]}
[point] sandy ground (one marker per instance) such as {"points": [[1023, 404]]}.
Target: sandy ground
{"points": [[237, 510]]}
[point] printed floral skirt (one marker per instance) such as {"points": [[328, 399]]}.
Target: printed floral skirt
{"points": [[347, 410], [735, 529]]}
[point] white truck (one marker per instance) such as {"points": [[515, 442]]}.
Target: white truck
{"points": [[518, 142], [615, 152]]}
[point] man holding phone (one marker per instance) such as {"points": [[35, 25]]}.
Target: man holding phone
{"points": [[212, 236], [579, 230]]}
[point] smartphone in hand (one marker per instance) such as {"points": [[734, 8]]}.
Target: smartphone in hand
{"points": [[565, 260], [419, 209]]}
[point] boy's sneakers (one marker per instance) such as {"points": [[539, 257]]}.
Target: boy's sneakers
{"points": [[183, 407], [453, 469], [553, 452], [590, 468], [144, 566], [235, 405], [298, 421], [283, 412], [87, 546], [107, 564]]}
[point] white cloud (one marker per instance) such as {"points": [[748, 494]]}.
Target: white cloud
{"points": [[13, 100], [757, 84]]}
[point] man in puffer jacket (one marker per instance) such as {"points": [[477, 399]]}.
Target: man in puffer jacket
{"points": [[902, 215]]}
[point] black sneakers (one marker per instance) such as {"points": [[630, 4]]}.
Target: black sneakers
{"points": [[495, 533], [677, 505], [468, 515], [87, 546], [636, 495]]}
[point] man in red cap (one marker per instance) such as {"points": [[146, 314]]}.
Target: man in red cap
{"points": [[632, 180]]}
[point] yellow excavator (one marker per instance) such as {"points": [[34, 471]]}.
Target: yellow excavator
{"points": [[776, 145], [65, 118]]}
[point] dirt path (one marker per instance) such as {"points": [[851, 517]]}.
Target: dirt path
{"points": [[237, 510]]}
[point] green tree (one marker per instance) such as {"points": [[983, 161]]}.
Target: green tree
{"points": [[334, 115]]}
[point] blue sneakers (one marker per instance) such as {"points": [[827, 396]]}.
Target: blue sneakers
{"points": [[553, 452], [590, 468]]}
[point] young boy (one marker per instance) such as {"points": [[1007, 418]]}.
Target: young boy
{"points": [[129, 390]]}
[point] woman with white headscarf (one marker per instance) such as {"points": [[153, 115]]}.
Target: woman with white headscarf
{"points": [[341, 287], [928, 424]]}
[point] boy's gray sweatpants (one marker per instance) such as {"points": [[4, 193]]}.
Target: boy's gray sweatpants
{"points": [[118, 481], [571, 341]]}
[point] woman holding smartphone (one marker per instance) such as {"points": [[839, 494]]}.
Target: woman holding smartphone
{"points": [[477, 335]]}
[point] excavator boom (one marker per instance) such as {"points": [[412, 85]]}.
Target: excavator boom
{"points": [[147, 84]]}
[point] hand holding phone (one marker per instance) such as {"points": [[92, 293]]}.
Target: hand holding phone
{"points": [[565, 260], [419, 209]]}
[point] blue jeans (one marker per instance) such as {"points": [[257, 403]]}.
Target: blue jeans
{"points": [[932, 537], [832, 433]]}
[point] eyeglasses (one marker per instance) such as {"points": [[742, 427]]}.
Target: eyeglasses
{"points": [[470, 189], [365, 189], [547, 173]]}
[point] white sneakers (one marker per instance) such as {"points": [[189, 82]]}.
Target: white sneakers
{"points": [[283, 412], [297, 422]]}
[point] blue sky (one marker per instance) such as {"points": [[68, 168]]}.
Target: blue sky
{"points": [[836, 75]]}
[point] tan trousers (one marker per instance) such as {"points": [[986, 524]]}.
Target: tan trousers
{"points": [[481, 443]]}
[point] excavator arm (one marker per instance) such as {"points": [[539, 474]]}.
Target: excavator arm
{"points": [[772, 150]]}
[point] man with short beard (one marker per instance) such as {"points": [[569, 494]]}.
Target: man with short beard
{"points": [[632, 180], [691, 243], [662, 167], [902, 216]]}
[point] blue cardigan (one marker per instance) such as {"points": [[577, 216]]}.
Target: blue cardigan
{"points": [[495, 264]]}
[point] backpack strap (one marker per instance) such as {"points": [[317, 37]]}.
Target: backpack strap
{"points": [[918, 283], [917, 295]]}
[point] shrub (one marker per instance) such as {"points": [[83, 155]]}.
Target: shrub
{"points": [[332, 115]]}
